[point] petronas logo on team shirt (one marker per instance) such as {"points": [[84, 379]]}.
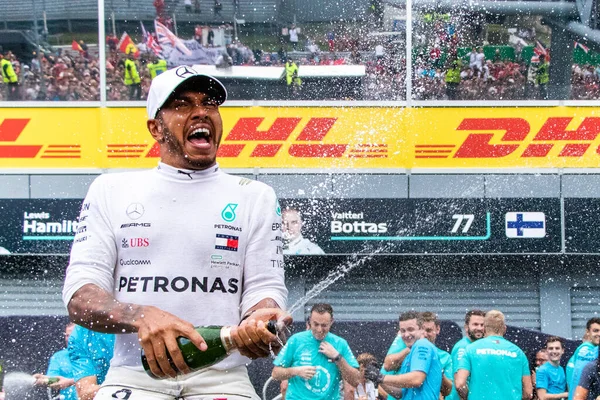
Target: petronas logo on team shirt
{"points": [[278, 208], [228, 213]]}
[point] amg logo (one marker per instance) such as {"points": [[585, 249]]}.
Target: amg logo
{"points": [[136, 225]]}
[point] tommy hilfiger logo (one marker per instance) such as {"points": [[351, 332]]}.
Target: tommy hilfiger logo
{"points": [[226, 242]]}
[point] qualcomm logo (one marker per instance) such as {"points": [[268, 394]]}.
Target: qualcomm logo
{"points": [[135, 210], [228, 213], [525, 224]]}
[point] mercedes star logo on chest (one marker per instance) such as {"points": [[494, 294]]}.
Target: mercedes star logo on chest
{"points": [[135, 210]]}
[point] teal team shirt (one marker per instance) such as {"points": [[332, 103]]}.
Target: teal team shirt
{"points": [[446, 361], [496, 368], [458, 352], [90, 353], [302, 349], [551, 378], [396, 347], [443, 356], [60, 365], [585, 353], [423, 357]]}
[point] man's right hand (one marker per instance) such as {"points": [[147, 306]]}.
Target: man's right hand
{"points": [[306, 372], [158, 331]]}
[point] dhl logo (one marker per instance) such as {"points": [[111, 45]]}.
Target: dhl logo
{"points": [[553, 133], [11, 129], [246, 135]]}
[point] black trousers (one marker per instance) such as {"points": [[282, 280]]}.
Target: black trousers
{"points": [[135, 91], [13, 91]]}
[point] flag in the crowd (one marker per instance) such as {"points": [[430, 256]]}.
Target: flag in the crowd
{"points": [[144, 32], [127, 46], [165, 36], [151, 43], [76, 46], [541, 50], [582, 47]]}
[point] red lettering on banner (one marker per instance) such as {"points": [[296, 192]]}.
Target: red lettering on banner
{"points": [[230, 150], [10, 130], [317, 150], [265, 150], [477, 145], [247, 129], [537, 150], [555, 130], [154, 151], [316, 129]]}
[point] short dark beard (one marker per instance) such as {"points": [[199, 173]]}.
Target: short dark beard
{"points": [[471, 335], [174, 147]]}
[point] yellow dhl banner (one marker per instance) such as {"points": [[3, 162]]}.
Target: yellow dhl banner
{"points": [[319, 138]]}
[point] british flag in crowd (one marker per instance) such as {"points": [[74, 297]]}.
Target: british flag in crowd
{"points": [[540, 50], [150, 42], [165, 36], [582, 47]]}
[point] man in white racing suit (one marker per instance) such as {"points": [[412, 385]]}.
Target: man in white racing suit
{"points": [[158, 252], [293, 241]]}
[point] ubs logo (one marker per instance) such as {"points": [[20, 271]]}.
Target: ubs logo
{"points": [[135, 242], [135, 210]]}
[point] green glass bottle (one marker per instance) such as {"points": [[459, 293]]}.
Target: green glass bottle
{"points": [[52, 380], [218, 340]]}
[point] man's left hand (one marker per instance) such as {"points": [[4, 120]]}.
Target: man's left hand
{"points": [[252, 338]]}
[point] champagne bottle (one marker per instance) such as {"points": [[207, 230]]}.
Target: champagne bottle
{"points": [[218, 340], [52, 380]]}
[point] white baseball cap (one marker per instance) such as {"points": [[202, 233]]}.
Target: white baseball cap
{"points": [[165, 85]]}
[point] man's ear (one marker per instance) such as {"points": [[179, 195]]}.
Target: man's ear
{"points": [[156, 129]]}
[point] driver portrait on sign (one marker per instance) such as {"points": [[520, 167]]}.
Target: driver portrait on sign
{"points": [[184, 244]]}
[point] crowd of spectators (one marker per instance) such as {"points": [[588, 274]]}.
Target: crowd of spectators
{"points": [[75, 76], [60, 76]]}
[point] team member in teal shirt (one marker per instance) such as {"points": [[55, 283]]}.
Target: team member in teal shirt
{"points": [[420, 376], [497, 368], [586, 352], [393, 360], [550, 380], [90, 354], [474, 331], [431, 330], [59, 367], [398, 350], [571, 362], [316, 361]]}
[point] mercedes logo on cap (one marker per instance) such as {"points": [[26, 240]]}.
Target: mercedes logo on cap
{"points": [[184, 71], [135, 210]]}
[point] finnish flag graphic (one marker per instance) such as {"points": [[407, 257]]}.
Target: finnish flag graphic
{"points": [[525, 224]]}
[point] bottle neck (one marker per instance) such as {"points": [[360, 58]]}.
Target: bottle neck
{"points": [[226, 339]]}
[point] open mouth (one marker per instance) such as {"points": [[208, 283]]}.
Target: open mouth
{"points": [[200, 137]]}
